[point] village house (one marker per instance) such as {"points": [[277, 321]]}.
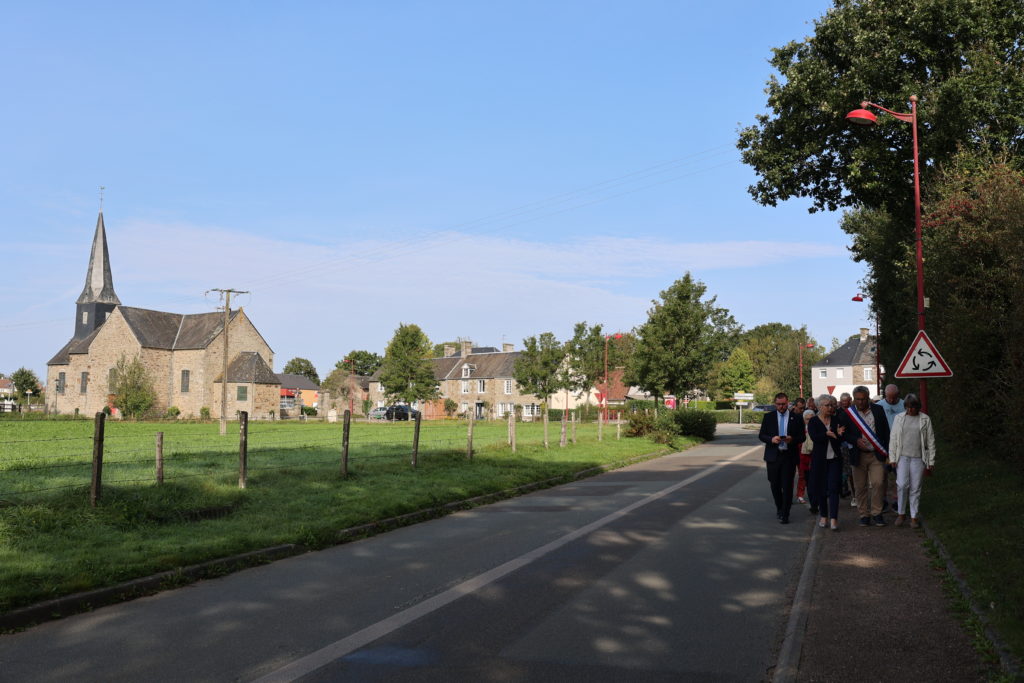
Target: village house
{"points": [[853, 364], [478, 379], [182, 353]]}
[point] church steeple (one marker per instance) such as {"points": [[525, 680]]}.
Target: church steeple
{"points": [[98, 298]]}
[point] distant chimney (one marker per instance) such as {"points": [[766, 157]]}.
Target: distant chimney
{"points": [[449, 350], [863, 334], [467, 348], [506, 347]]}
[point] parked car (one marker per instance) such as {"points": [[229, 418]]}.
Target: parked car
{"points": [[401, 413], [763, 408], [377, 413]]}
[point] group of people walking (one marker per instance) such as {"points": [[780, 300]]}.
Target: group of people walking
{"points": [[851, 433]]}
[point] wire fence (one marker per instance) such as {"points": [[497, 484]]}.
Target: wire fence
{"points": [[38, 458]]}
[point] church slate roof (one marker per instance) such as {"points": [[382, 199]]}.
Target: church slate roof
{"points": [[156, 330], [63, 356], [99, 284], [249, 366]]}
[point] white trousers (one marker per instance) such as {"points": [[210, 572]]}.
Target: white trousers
{"points": [[909, 474]]}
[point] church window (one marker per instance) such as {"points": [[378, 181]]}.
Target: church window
{"points": [[85, 383], [61, 379], [184, 381], [85, 317], [242, 393]]}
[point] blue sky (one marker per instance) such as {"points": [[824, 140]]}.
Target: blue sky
{"points": [[487, 171]]}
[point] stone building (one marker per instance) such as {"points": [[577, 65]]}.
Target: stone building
{"points": [[853, 364], [476, 378], [182, 353]]}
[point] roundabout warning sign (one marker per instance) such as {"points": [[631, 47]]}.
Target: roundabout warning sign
{"points": [[923, 360]]}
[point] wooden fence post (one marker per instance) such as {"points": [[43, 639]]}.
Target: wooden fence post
{"points": [[97, 459], [574, 426], [600, 426], [469, 433], [159, 457], [346, 426], [564, 435], [416, 440], [512, 427], [243, 448], [618, 429]]}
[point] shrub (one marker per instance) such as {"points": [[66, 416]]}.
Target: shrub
{"points": [[204, 413], [641, 423], [309, 410], [173, 412], [702, 405], [699, 423]]}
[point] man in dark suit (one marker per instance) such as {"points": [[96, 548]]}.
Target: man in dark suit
{"points": [[867, 462], [782, 433]]}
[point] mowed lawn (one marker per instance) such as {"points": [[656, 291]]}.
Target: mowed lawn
{"points": [[52, 542]]}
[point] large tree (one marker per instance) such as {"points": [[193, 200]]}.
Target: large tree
{"points": [[24, 380], [304, 367], [962, 58], [774, 350], [406, 373], [363, 362], [735, 374], [584, 359], [682, 340], [538, 370]]}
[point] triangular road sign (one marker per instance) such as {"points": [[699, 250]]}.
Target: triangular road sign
{"points": [[831, 388], [923, 360]]}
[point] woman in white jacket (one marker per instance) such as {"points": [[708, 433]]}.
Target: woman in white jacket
{"points": [[911, 451]]}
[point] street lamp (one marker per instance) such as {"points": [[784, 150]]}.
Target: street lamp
{"points": [[864, 117], [807, 345], [607, 337], [878, 348]]}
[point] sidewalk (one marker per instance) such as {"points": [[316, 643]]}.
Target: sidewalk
{"points": [[878, 611]]}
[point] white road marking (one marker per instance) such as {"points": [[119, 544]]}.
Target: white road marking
{"points": [[325, 655]]}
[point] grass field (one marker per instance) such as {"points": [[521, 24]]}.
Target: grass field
{"points": [[975, 504], [53, 543]]}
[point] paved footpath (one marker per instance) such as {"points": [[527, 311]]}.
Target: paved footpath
{"points": [[878, 612]]}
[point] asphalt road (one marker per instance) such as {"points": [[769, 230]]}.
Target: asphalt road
{"points": [[672, 569]]}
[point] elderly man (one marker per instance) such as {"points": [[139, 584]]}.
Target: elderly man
{"points": [[892, 404], [782, 432], [867, 433]]}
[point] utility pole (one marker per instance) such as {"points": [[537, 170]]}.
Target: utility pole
{"points": [[226, 293]]}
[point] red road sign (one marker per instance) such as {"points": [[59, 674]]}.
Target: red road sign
{"points": [[923, 360]]}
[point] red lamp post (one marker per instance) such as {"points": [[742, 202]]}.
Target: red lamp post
{"points": [[878, 350], [863, 117], [803, 345], [604, 398]]}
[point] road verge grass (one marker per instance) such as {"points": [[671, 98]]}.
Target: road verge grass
{"points": [[975, 506], [56, 545]]}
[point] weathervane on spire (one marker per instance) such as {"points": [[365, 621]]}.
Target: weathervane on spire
{"points": [[102, 187]]}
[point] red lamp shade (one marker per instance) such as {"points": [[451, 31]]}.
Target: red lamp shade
{"points": [[857, 298], [862, 117]]}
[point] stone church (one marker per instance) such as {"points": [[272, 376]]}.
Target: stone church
{"points": [[183, 354]]}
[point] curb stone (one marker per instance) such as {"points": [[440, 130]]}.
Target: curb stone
{"points": [[85, 601]]}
